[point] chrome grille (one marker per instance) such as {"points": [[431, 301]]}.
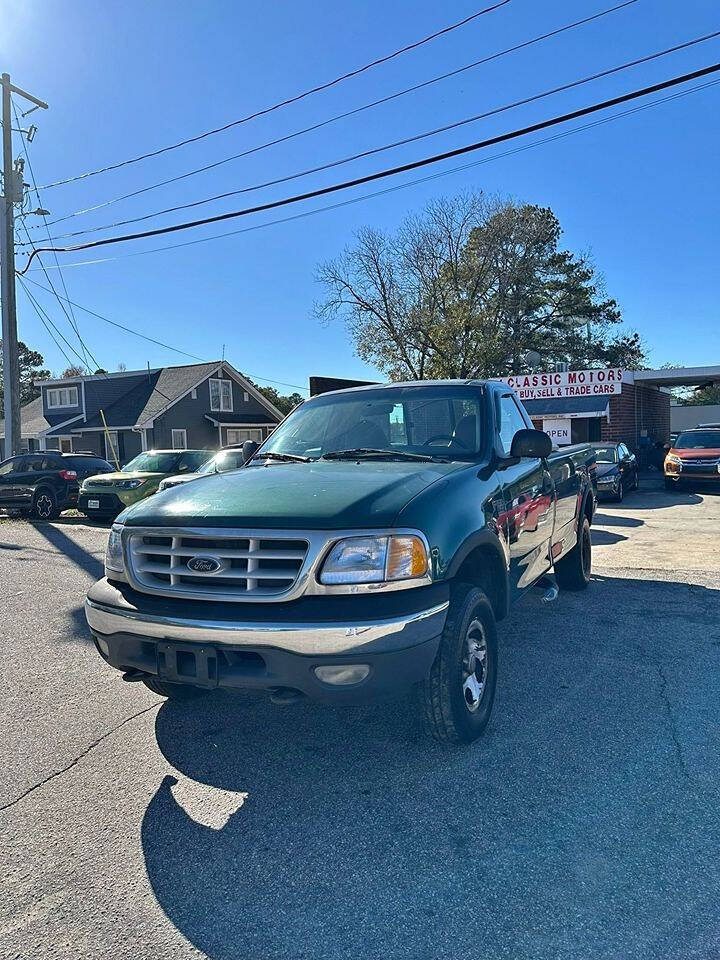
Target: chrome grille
{"points": [[247, 566]]}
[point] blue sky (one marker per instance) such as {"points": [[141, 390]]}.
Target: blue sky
{"points": [[123, 78]]}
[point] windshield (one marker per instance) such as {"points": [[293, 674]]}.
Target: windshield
{"points": [[225, 460], [180, 461], [425, 421], [606, 454], [698, 440]]}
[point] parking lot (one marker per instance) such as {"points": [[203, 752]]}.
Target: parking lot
{"points": [[585, 824]]}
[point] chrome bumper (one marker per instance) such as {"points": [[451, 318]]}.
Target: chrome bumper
{"points": [[313, 639]]}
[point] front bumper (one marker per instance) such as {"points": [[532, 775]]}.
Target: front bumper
{"points": [[272, 648], [608, 489], [109, 504]]}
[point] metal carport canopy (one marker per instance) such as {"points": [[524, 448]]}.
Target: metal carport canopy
{"points": [[677, 376]]}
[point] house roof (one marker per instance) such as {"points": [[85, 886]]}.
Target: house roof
{"points": [[33, 421], [240, 419], [136, 397]]}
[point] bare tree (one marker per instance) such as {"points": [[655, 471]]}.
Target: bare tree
{"points": [[466, 289]]}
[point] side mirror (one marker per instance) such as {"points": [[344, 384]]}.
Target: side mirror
{"points": [[248, 449], [532, 444], [667, 446]]}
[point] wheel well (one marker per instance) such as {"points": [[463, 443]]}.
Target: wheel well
{"points": [[484, 568], [588, 507]]}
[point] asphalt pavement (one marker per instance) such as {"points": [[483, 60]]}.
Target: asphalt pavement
{"points": [[585, 824]]}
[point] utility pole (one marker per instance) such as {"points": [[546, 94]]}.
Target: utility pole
{"points": [[12, 194]]}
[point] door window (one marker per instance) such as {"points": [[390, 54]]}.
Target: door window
{"points": [[34, 464], [112, 452], [510, 420], [10, 466]]}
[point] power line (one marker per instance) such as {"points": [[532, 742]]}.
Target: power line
{"points": [[392, 171], [390, 146], [158, 343], [342, 116], [401, 186], [284, 103], [73, 322], [41, 313], [51, 334]]}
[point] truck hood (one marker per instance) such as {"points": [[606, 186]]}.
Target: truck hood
{"points": [[321, 495]]}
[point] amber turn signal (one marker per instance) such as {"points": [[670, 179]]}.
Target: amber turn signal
{"points": [[406, 558]]}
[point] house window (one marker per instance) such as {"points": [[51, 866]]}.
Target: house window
{"points": [[179, 439], [112, 451], [246, 396], [65, 444], [240, 436], [193, 394], [63, 397], [221, 400], [24, 445]]}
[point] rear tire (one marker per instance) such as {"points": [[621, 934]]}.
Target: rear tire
{"points": [[174, 691], [573, 570], [44, 505], [456, 698]]}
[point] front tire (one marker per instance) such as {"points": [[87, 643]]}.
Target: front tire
{"points": [[44, 505], [572, 572], [670, 484], [620, 492], [174, 691], [456, 698]]}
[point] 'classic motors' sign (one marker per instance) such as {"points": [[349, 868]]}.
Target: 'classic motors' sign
{"points": [[572, 383]]}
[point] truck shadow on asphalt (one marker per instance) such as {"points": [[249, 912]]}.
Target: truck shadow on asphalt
{"points": [[71, 549], [354, 836]]}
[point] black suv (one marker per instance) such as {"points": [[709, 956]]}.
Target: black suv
{"points": [[45, 482]]}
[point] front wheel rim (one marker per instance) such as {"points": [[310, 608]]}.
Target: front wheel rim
{"points": [[474, 666], [44, 506]]}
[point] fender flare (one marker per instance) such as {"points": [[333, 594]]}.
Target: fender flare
{"points": [[487, 539]]}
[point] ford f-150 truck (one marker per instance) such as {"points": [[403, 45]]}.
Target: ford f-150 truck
{"points": [[370, 544]]}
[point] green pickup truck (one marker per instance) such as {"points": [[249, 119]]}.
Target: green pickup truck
{"points": [[370, 545]]}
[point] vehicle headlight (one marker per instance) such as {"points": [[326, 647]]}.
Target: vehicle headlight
{"points": [[375, 560], [671, 458], [129, 484], [114, 552]]}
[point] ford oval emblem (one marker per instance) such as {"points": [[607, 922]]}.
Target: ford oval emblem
{"points": [[204, 564]]}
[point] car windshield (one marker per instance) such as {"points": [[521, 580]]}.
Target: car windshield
{"points": [[152, 462], [400, 422], [698, 440], [606, 454]]}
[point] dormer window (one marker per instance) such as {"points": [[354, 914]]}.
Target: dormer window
{"points": [[62, 397]]}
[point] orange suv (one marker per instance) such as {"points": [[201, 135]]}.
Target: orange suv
{"points": [[695, 455]]}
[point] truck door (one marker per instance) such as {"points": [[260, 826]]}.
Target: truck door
{"points": [[528, 500]]}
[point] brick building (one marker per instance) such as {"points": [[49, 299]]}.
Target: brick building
{"points": [[632, 406]]}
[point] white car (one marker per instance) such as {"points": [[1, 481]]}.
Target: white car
{"points": [[229, 458]]}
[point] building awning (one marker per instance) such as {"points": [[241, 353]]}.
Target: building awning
{"points": [[567, 407]]}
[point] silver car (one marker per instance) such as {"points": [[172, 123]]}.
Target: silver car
{"points": [[230, 458]]}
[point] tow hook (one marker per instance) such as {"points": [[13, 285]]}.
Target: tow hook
{"points": [[134, 676]]}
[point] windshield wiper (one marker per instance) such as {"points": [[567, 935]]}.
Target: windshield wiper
{"points": [[387, 454], [286, 457]]}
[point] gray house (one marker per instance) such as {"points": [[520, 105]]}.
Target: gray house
{"points": [[200, 406]]}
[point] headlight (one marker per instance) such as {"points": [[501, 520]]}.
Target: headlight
{"points": [[375, 560], [113, 551], [129, 484], [671, 458]]}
